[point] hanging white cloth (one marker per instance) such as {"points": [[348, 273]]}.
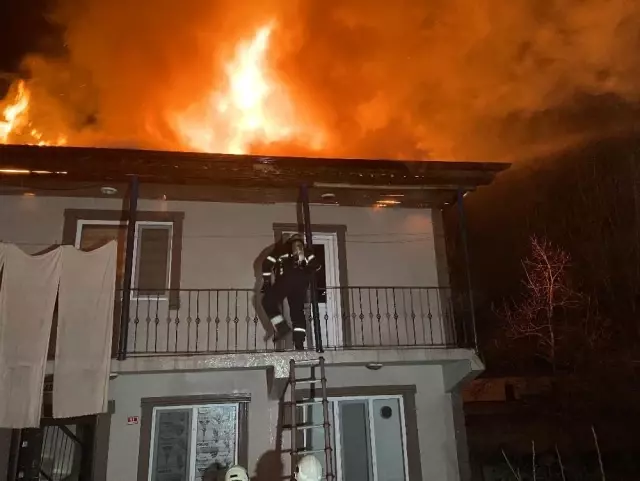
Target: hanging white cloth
{"points": [[85, 329], [27, 300]]}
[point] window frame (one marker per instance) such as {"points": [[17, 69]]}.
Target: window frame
{"points": [[99, 216], [408, 393], [147, 416], [136, 258], [335, 400], [280, 230], [136, 251], [193, 436]]}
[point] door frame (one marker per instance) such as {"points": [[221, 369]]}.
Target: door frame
{"points": [[340, 233], [369, 399], [330, 308]]}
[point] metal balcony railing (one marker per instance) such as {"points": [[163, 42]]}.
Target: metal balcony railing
{"points": [[209, 321]]}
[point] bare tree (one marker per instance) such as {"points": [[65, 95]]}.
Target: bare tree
{"points": [[547, 294]]}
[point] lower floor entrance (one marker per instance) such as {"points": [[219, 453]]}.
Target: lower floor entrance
{"points": [[59, 450], [369, 437]]}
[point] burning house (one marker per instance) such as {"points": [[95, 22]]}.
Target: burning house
{"points": [[197, 382], [196, 379]]}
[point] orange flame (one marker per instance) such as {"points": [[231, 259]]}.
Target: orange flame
{"points": [[17, 125], [251, 109], [254, 108], [14, 114]]}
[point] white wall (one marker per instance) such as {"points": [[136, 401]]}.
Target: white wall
{"points": [[128, 390], [433, 411], [384, 247]]}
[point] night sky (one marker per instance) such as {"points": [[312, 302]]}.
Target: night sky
{"points": [[23, 28]]}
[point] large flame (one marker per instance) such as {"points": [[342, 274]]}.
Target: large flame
{"points": [[251, 108], [16, 125], [455, 79]]}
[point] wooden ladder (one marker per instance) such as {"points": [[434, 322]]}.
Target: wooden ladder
{"points": [[297, 406]]}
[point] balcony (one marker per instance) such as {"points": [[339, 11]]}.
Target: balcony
{"points": [[223, 321]]}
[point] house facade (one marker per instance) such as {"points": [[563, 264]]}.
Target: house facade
{"points": [[197, 383]]}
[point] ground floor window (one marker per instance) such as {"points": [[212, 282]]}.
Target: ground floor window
{"points": [[193, 442], [369, 437]]}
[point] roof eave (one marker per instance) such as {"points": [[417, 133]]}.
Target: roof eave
{"points": [[247, 171]]}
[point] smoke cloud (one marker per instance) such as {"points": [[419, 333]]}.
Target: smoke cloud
{"points": [[413, 79]]}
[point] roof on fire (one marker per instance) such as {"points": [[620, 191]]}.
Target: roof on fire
{"points": [[239, 178]]}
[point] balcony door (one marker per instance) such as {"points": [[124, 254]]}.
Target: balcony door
{"points": [[325, 248], [368, 436]]}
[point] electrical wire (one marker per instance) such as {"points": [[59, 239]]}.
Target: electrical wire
{"points": [[32, 243]]}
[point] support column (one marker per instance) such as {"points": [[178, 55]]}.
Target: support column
{"points": [[308, 234], [128, 268], [465, 247]]}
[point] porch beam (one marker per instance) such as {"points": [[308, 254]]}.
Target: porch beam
{"points": [[128, 267], [315, 310], [465, 248]]}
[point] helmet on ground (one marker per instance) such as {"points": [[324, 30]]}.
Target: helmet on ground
{"points": [[236, 473], [309, 469]]}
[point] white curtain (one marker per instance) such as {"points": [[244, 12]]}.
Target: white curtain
{"points": [[85, 327], [27, 300]]}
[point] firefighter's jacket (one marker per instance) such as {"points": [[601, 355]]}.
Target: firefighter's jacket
{"points": [[281, 260]]}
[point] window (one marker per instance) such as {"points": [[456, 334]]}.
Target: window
{"points": [[152, 258], [192, 443], [151, 251], [91, 235], [183, 441], [157, 248], [369, 437]]}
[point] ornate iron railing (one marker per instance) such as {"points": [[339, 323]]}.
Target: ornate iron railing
{"points": [[231, 320]]}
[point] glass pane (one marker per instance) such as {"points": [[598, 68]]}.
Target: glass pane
{"points": [[314, 438], [152, 264], [216, 448], [172, 447], [97, 235], [390, 447], [93, 236], [321, 275], [354, 441]]}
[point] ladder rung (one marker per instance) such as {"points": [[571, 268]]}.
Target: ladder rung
{"points": [[308, 363], [306, 402], [323, 478], [304, 450], [309, 451], [304, 426], [307, 380]]}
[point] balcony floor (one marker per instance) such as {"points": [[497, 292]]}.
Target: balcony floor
{"points": [[279, 361]]}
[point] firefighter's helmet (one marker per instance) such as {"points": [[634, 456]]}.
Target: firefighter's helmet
{"points": [[309, 469], [236, 473], [295, 238]]}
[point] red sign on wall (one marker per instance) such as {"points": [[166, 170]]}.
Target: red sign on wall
{"points": [[133, 419]]}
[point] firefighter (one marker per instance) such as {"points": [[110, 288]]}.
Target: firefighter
{"points": [[236, 473], [293, 266], [309, 469]]}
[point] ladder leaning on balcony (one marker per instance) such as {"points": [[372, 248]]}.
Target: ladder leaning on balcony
{"points": [[297, 407]]}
